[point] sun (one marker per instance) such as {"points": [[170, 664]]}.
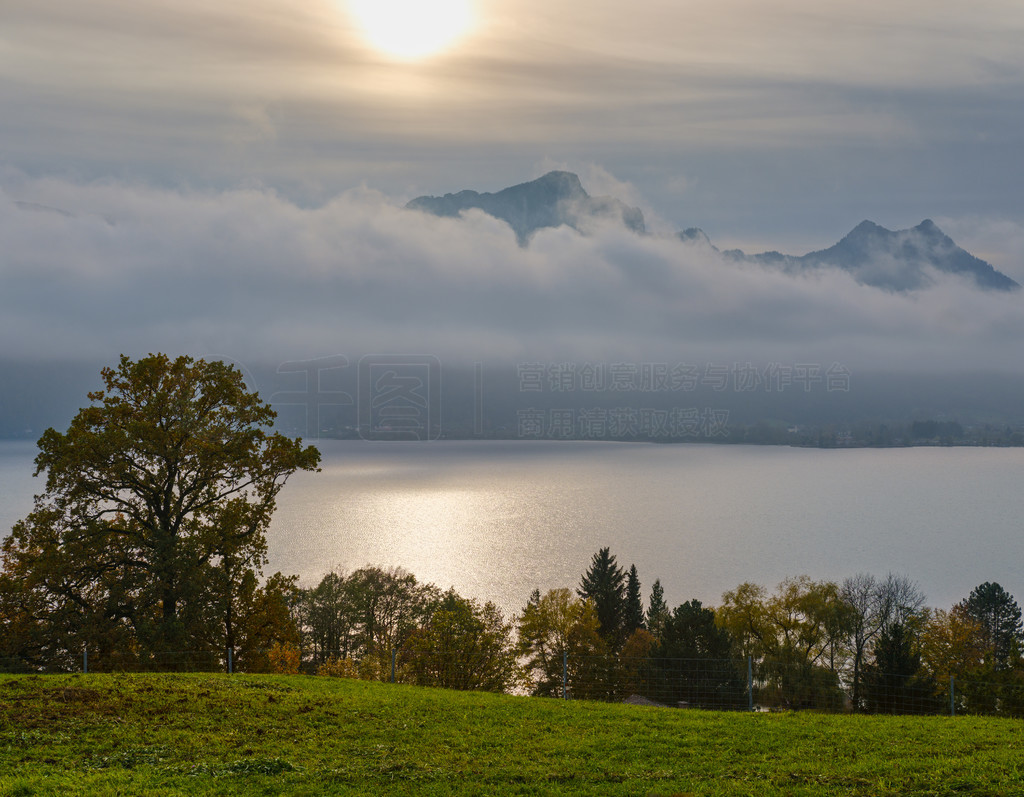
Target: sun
{"points": [[412, 29]]}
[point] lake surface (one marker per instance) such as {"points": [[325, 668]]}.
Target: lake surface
{"points": [[498, 519]]}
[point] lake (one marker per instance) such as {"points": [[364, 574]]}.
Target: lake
{"points": [[498, 519]]}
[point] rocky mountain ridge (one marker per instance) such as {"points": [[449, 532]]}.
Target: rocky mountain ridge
{"points": [[900, 260], [556, 199]]}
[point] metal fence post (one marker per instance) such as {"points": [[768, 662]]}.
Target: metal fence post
{"points": [[231, 663], [952, 697], [565, 675], [393, 653], [85, 659], [750, 683]]}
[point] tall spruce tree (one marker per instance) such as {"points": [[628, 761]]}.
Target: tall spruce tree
{"points": [[604, 585], [657, 609], [634, 603]]}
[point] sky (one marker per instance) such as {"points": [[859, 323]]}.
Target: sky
{"points": [[221, 177]]}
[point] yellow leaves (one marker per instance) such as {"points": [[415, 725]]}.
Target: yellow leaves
{"points": [[638, 645], [560, 621], [803, 617], [952, 643], [337, 667], [284, 658], [742, 613]]}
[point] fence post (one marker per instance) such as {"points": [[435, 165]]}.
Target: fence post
{"points": [[393, 653], [565, 675], [85, 659], [952, 698], [231, 663], [750, 683]]}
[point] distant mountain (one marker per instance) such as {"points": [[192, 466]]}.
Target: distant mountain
{"points": [[900, 260], [555, 199]]}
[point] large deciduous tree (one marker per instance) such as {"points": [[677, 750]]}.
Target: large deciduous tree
{"points": [[796, 635], [153, 521], [462, 646], [363, 617], [390, 604], [559, 638], [877, 606]]}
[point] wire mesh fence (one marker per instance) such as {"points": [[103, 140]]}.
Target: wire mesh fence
{"points": [[743, 684], [133, 661], [775, 685]]}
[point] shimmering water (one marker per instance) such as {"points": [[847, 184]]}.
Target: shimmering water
{"points": [[497, 519]]}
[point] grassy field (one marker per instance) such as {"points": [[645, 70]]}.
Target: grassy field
{"points": [[215, 734]]}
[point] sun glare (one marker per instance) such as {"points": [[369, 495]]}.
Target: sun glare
{"points": [[411, 29]]}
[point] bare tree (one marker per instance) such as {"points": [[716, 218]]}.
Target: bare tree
{"points": [[877, 606], [901, 601]]}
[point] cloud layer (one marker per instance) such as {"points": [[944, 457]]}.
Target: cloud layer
{"points": [[753, 119], [93, 270]]}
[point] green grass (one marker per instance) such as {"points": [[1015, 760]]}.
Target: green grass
{"points": [[215, 734]]}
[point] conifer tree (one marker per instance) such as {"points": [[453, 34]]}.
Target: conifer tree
{"points": [[657, 609], [604, 585], [634, 603], [1000, 618], [894, 682]]}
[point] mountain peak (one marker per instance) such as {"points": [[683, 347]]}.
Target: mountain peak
{"points": [[564, 183], [865, 232], [866, 226], [552, 200], [900, 260], [930, 229], [695, 235]]}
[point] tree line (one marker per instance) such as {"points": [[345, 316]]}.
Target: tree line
{"points": [[864, 644]]}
